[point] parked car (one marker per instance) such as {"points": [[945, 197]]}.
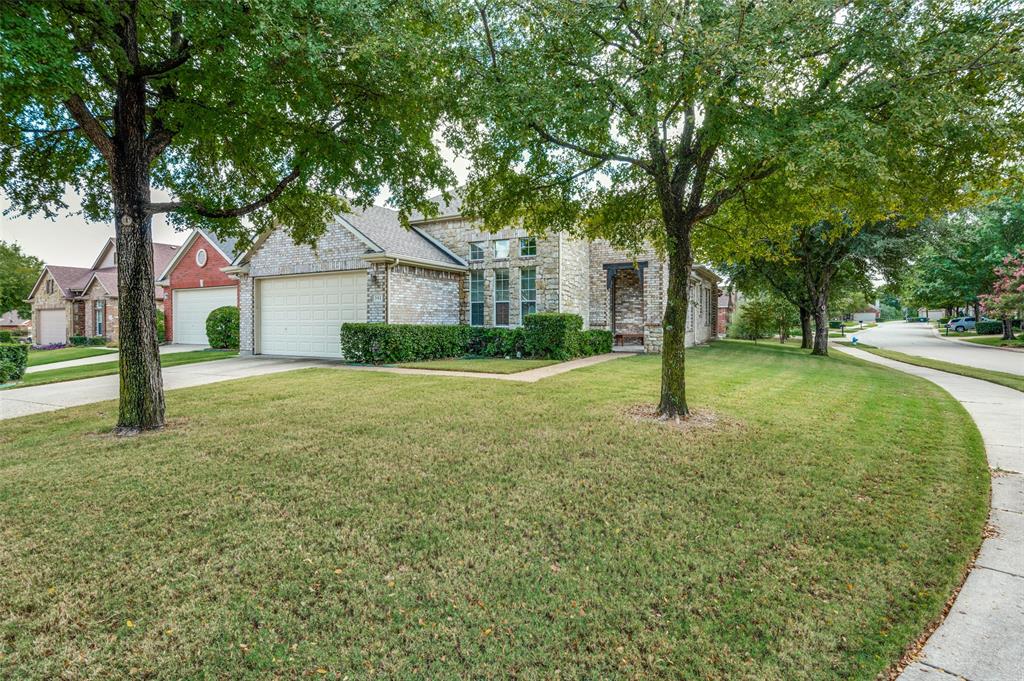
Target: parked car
{"points": [[964, 323]]}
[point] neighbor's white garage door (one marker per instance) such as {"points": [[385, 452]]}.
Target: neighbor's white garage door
{"points": [[53, 327], [302, 315], [191, 308]]}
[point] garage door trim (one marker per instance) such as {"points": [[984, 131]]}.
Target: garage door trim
{"points": [[175, 308]]}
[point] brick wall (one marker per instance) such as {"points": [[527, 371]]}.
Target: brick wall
{"points": [[574, 278], [188, 274], [655, 286], [89, 297], [628, 308], [421, 296]]}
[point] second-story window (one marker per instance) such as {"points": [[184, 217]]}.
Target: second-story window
{"points": [[528, 290], [501, 297], [528, 246], [500, 249], [476, 250], [49, 285]]}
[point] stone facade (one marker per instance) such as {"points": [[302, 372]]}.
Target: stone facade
{"points": [[52, 300], [652, 303], [96, 301]]}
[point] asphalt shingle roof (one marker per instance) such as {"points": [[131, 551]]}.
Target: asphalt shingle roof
{"points": [[381, 226], [445, 209]]}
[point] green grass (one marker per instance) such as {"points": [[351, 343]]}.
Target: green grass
{"points": [[108, 368], [374, 525], [38, 357], [1008, 380], [488, 365], [997, 341]]}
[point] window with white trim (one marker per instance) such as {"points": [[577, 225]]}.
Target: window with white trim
{"points": [[201, 257], [501, 249], [476, 297], [476, 250], [501, 297], [100, 310], [528, 290]]}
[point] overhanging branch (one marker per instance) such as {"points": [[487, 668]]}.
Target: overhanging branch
{"points": [[92, 128], [238, 211]]}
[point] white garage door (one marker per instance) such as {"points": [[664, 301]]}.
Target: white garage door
{"points": [[191, 308], [53, 327], [302, 316]]}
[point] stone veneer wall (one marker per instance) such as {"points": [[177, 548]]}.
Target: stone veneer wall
{"points": [[337, 251], [655, 286], [574, 278], [628, 311], [50, 301], [456, 233], [420, 296], [110, 323]]}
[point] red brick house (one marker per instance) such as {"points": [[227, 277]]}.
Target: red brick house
{"points": [[195, 285]]}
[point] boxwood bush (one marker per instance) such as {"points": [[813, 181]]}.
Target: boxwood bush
{"points": [[6, 337], [553, 335], [13, 360], [544, 335], [222, 326], [984, 328], [87, 340]]}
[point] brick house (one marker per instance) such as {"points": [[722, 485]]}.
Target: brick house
{"points": [[446, 270], [82, 301], [195, 284]]}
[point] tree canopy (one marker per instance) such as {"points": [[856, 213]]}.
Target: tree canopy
{"points": [[18, 274]]}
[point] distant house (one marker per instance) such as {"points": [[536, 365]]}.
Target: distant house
{"points": [[445, 269], [867, 314], [12, 321], [727, 303], [195, 285], [82, 301]]}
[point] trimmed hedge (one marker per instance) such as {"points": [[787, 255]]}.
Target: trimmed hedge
{"points": [[596, 342], [161, 327], [6, 337], [87, 340], [545, 335], [376, 343], [222, 328], [13, 360], [553, 335], [984, 328]]}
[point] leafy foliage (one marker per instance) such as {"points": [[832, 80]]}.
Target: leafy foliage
{"points": [[13, 360], [83, 341], [222, 328], [762, 317], [1006, 300], [554, 335], [984, 328], [18, 274]]}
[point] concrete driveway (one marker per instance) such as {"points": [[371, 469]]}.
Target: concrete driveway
{"points": [[109, 357], [918, 339], [53, 396]]}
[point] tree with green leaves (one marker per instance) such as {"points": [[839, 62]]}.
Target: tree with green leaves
{"points": [[1006, 300], [756, 275], [267, 111], [18, 274], [669, 121]]}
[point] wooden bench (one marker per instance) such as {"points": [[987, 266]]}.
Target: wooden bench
{"points": [[629, 339]]}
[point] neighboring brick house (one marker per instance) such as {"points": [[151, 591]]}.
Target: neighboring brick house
{"points": [[195, 285], [82, 301], [728, 300], [12, 321], [446, 270]]}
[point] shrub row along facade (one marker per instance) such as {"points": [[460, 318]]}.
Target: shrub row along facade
{"points": [[445, 270]]}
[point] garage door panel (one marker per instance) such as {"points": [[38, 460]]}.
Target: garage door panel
{"points": [[193, 306], [302, 315], [53, 327]]}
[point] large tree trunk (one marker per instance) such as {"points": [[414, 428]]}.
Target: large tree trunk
{"points": [[673, 358], [1007, 328], [820, 324], [805, 329], [141, 396]]}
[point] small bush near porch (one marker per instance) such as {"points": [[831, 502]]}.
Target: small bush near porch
{"points": [[331, 523]]}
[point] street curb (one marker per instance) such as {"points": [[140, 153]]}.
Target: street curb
{"points": [[973, 345]]}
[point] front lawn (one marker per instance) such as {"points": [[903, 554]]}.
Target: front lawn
{"points": [[108, 368], [1014, 381], [329, 523], [483, 365], [997, 341], [38, 357]]}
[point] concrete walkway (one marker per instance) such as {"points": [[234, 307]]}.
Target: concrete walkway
{"points": [[109, 357], [53, 396], [920, 340], [982, 637], [529, 376]]}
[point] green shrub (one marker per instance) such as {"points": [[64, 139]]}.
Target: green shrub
{"points": [[87, 340], [222, 328], [497, 342], [553, 335], [161, 327], [6, 337], [595, 342], [984, 328], [13, 360], [943, 320], [375, 343]]}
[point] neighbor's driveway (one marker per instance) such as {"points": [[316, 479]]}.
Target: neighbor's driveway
{"points": [[918, 339], [53, 396], [109, 357]]}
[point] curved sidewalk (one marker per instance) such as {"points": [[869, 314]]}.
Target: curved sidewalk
{"points": [[981, 638]]}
